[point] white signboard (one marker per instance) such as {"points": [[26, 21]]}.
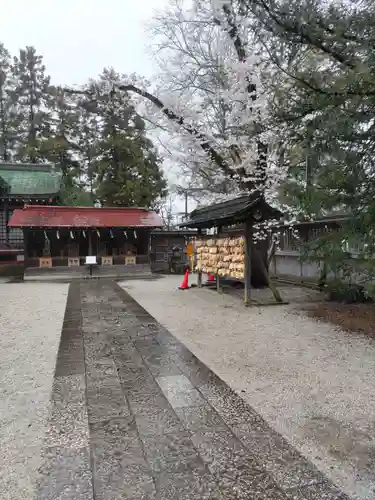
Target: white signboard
{"points": [[91, 259]]}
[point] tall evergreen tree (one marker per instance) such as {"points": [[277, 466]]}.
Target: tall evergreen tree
{"points": [[128, 168], [32, 92], [60, 144], [88, 135], [4, 72], [7, 106]]}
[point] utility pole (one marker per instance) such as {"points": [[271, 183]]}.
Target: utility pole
{"points": [[170, 214], [308, 177], [309, 168], [181, 191]]}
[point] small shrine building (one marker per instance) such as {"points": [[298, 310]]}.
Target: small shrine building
{"points": [[61, 236]]}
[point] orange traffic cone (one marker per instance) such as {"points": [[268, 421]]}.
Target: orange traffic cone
{"points": [[185, 281]]}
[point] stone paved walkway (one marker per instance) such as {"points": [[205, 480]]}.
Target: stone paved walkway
{"points": [[136, 416]]}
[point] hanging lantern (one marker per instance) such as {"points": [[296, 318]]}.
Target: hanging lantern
{"points": [[84, 234], [58, 234], [72, 235], [111, 233], [98, 233], [135, 235], [126, 234]]}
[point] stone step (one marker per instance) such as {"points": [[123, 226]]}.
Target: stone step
{"points": [[82, 272]]}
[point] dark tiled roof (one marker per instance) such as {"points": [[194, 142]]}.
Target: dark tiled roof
{"points": [[29, 180], [230, 212]]}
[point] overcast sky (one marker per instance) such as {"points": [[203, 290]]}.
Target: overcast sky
{"points": [[78, 38]]}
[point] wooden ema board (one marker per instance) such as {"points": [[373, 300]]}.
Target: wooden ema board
{"points": [[223, 256], [45, 262]]}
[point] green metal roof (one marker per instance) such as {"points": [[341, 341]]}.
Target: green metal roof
{"points": [[29, 180]]}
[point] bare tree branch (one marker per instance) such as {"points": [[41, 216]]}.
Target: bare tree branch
{"points": [[233, 32], [202, 139]]}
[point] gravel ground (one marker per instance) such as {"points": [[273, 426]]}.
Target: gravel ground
{"points": [[311, 382], [31, 317]]}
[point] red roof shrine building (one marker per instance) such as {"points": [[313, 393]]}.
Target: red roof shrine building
{"points": [[60, 236], [38, 235]]}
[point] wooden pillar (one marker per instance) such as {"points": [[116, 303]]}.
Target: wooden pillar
{"points": [[150, 249], [25, 244], [199, 279], [199, 271], [89, 236], [217, 275], [6, 218], [248, 243]]}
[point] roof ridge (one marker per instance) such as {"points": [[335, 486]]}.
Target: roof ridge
{"points": [[66, 207], [238, 199], [29, 167]]}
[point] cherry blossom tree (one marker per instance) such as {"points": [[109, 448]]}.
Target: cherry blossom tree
{"points": [[212, 94], [214, 70]]}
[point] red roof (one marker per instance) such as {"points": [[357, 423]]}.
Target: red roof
{"points": [[83, 217]]}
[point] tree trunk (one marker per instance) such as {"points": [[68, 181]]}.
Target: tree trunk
{"points": [[259, 251], [260, 261], [3, 124]]}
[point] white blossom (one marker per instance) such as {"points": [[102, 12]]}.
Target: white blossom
{"points": [[203, 81]]}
